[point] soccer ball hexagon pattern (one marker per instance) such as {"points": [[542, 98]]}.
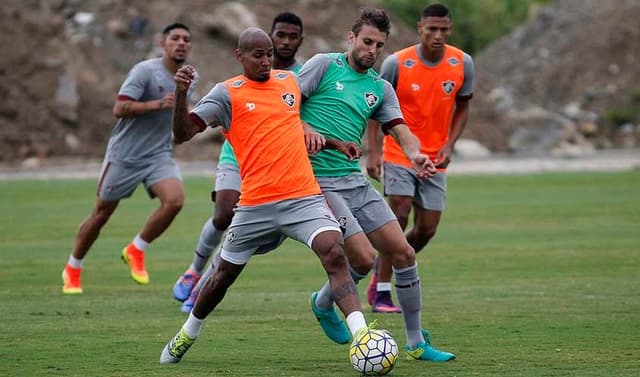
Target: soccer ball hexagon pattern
{"points": [[373, 353]]}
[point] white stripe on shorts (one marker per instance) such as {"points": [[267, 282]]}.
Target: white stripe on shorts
{"points": [[320, 230]]}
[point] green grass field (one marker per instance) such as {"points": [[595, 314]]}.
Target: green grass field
{"points": [[535, 275]]}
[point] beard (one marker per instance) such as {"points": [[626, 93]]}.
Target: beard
{"points": [[361, 64]]}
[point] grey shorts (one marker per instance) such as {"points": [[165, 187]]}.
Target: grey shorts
{"points": [[227, 178], [262, 228], [427, 193], [357, 205], [119, 181]]}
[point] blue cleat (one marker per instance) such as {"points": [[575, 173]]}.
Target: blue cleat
{"points": [[184, 285], [330, 322], [187, 305], [425, 351]]}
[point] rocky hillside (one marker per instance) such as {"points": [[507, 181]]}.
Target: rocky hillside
{"points": [[542, 88], [553, 85]]}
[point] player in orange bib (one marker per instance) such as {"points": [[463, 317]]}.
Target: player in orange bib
{"points": [[434, 84], [259, 112]]}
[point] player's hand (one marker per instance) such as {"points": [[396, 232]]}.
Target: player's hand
{"points": [[314, 141], [184, 77], [443, 158], [166, 102], [374, 165], [424, 166], [348, 148]]}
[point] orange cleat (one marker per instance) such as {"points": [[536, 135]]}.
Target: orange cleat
{"points": [[71, 279], [135, 259]]}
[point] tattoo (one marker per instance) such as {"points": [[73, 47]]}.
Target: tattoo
{"points": [[345, 290]]}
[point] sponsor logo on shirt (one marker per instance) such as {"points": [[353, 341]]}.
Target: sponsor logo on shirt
{"points": [[415, 87], [371, 99], [338, 61], [289, 99], [339, 86], [409, 63], [453, 61], [448, 86], [251, 106]]}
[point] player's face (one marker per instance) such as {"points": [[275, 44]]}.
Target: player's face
{"points": [[286, 40], [256, 61], [365, 47], [434, 32], [177, 44]]}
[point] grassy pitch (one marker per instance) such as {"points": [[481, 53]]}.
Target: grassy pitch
{"points": [[533, 275]]}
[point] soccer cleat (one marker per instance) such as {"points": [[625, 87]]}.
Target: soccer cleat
{"points": [[385, 307], [182, 288], [425, 351], [330, 322], [135, 259], [176, 348], [372, 288], [187, 305], [71, 280], [384, 304]]}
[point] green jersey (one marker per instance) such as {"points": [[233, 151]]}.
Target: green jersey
{"points": [[339, 101]]}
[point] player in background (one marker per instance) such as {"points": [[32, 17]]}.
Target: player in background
{"points": [[139, 152], [286, 34], [434, 84], [341, 91], [260, 114]]}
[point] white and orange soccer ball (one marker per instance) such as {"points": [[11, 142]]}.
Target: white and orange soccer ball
{"points": [[373, 353]]}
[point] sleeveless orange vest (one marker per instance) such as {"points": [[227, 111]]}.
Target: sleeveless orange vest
{"points": [[427, 97], [267, 137]]}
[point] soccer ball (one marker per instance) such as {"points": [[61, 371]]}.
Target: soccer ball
{"points": [[373, 353]]}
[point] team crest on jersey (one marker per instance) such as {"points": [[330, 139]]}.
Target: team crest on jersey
{"points": [[230, 236], [409, 63], [281, 75], [448, 86], [342, 221], [289, 99], [371, 99], [237, 83], [453, 61]]}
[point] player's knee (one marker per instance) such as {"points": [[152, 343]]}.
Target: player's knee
{"points": [[404, 257], [174, 205], [334, 258], [362, 262], [222, 220]]}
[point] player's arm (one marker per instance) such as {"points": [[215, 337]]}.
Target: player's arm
{"points": [[374, 150], [460, 114], [392, 123], [314, 140], [127, 107], [348, 148], [133, 88], [184, 126]]}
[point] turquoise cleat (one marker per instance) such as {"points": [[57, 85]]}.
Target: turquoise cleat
{"points": [[330, 322], [425, 351]]}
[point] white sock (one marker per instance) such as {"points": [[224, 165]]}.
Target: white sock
{"points": [[383, 287], [356, 321], [193, 326], [75, 262], [140, 244]]}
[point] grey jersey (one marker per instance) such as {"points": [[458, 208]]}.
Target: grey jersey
{"points": [[389, 71], [137, 140]]}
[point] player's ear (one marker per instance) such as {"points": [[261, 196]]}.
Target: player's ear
{"points": [[351, 37]]}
